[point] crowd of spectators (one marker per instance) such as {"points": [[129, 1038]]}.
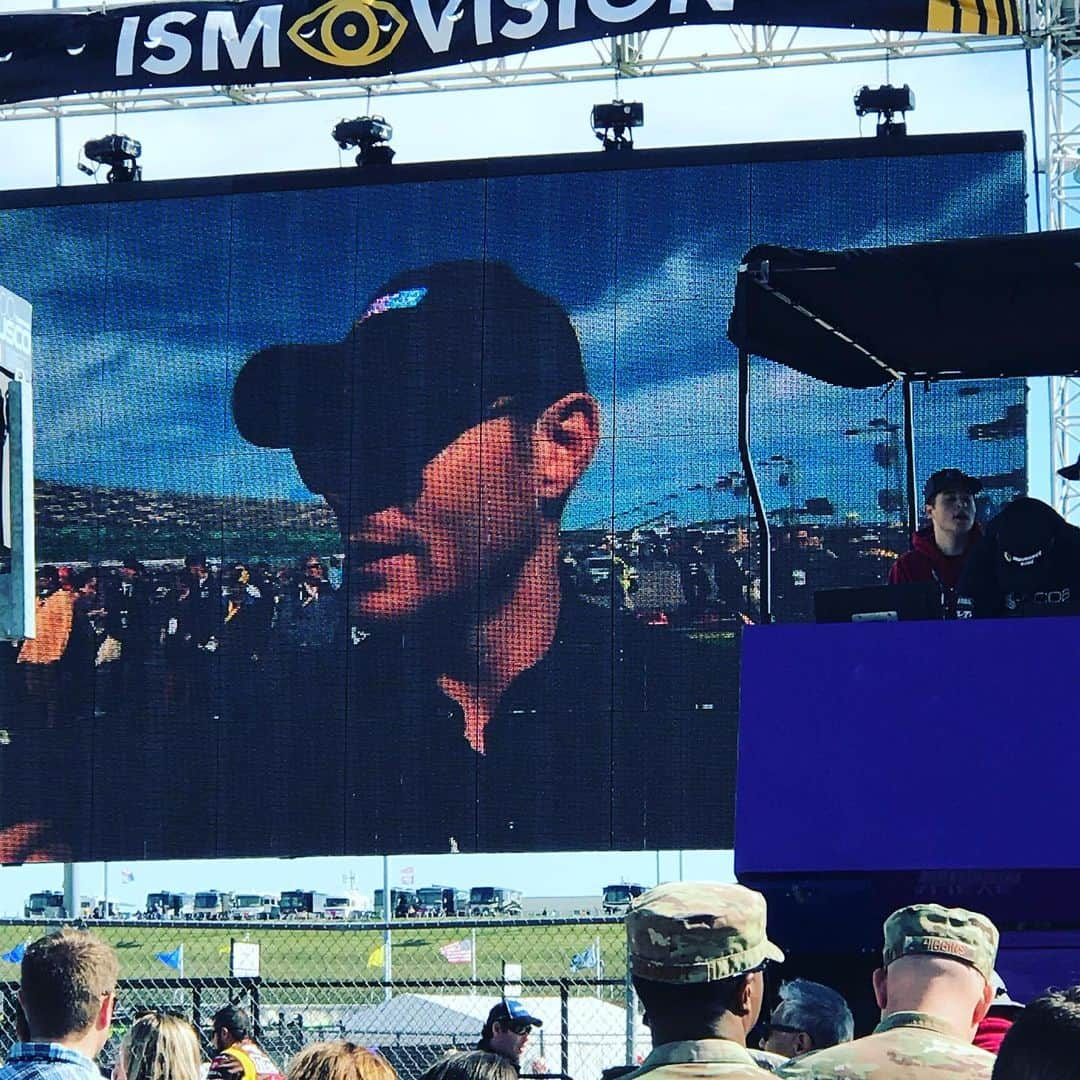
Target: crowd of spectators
{"points": [[697, 954]]}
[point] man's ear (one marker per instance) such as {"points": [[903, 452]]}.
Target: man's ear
{"points": [[982, 1006], [105, 1013], [881, 993], [566, 436], [803, 1043]]}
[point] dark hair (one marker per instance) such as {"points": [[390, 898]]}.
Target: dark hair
{"points": [[63, 978], [689, 1004], [237, 1020], [471, 1065], [1044, 1041], [196, 558]]}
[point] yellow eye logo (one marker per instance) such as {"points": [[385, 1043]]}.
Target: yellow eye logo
{"points": [[350, 33]]}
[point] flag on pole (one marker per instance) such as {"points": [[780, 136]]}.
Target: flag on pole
{"points": [[583, 960], [15, 955], [377, 957], [408, 873], [174, 959], [127, 877], [457, 952]]}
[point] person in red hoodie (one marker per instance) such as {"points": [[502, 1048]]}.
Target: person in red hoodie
{"points": [[940, 548], [1002, 1014]]}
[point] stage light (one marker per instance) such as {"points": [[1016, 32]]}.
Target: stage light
{"points": [[886, 102], [370, 135], [118, 152], [612, 123]]}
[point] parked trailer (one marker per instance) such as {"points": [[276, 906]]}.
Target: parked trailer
{"points": [[214, 905], [169, 905], [261, 906], [438, 900], [494, 900], [348, 905], [403, 901], [303, 904], [617, 898], [44, 905]]}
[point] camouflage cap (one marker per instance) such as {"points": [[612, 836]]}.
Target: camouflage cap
{"points": [[691, 932], [930, 929]]}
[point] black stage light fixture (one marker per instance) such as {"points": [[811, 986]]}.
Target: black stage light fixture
{"points": [[370, 135], [612, 123], [118, 152], [886, 102]]}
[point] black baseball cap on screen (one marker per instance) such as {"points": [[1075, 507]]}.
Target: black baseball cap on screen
{"points": [[435, 351], [950, 480]]}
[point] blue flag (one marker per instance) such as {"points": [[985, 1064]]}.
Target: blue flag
{"points": [[582, 960], [15, 955], [174, 959]]}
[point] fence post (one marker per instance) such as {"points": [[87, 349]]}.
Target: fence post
{"points": [[196, 1008], [255, 1005], [631, 1011], [564, 1019]]}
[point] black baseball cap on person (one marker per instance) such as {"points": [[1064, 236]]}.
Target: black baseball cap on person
{"points": [[510, 1011], [950, 480], [434, 352]]}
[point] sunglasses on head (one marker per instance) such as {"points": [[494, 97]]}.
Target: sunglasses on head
{"points": [[785, 1028]]}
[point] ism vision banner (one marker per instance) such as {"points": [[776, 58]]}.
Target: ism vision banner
{"points": [[53, 54]]}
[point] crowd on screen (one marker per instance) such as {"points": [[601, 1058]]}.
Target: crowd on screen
{"points": [[697, 953]]}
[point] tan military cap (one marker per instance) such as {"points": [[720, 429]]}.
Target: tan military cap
{"points": [[690, 932], [940, 931]]}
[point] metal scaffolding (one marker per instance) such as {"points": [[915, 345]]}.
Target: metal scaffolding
{"points": [[1060, 30], [675, 51]]}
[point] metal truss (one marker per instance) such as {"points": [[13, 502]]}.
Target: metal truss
{"points": [[677, 51], [1060, 27]]}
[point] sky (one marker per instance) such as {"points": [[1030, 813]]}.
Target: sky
{"points": [[975, 93]]}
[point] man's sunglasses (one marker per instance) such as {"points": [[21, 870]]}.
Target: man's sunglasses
{"points": [[519, 1028]]}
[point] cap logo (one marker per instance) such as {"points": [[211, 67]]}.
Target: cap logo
{"points": [[395, 301]]}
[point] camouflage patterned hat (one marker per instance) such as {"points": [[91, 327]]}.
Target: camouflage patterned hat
{"points": [[940, 931], [691, 932]]}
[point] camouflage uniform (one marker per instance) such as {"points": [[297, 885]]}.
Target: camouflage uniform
{"points": [[694, 933], [911, 1045]]}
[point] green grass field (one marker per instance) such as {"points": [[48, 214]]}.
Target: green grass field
{"points": [[351, 953]]}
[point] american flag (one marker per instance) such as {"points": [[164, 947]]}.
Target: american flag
{"points": [[458, 952], [126, 877]]}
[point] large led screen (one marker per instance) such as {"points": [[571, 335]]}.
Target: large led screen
{"points": [[401, 510]]}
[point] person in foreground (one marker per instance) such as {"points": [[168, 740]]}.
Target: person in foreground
{"points": [[472, 1065], [67, 993], [159, 1046], [507, 1030], [1044, 1040], [339, 1061], [810, 1016], [239, 1056], [933, 988], [697, 951]]}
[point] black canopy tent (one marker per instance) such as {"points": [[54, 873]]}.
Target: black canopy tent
{"points": [[986, 308]]}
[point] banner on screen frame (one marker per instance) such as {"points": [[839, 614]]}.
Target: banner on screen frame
{"points": [[212, 42]]}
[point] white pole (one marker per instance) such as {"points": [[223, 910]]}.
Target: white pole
{"points": [[472, 951], [105, 889], [388, 915]]}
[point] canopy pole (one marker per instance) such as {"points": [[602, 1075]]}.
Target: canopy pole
{"points": [[909, 458], [764, 536]]}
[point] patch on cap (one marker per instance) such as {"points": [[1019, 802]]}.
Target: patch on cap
{"points": [[930, 929], [395, 301]]}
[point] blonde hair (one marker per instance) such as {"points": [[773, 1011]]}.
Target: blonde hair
{"points": [[339, 1061], [161, 1046]]}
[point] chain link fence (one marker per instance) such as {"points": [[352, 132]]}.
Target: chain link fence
{"points": [[412, 988]]}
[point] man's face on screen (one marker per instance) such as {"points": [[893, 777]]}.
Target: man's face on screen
{"points": [[459, 531]]}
